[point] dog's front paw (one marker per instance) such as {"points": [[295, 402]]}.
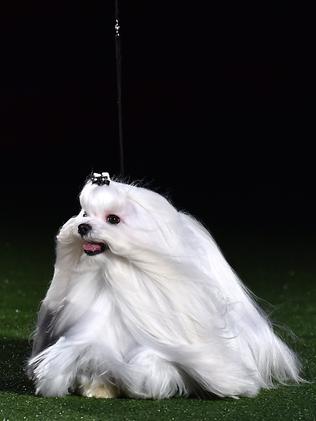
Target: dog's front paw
{"points": [[53, 370], [152, 377], [103, 391], [52, 388]]}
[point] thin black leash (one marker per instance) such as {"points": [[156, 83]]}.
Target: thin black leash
{"points": [[118, 57]]}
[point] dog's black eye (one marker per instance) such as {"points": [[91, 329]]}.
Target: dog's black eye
{"points": [[113, 219], [85, 214]]}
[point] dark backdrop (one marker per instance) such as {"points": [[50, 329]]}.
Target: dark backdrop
{"points": [[213, 111]]}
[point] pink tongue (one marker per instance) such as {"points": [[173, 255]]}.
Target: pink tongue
{"points": [[91, 247]]}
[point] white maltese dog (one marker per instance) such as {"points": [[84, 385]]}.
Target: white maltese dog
{"points": [[143, 304]]}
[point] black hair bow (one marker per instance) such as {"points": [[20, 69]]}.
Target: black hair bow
{"points": [[100, 179]]}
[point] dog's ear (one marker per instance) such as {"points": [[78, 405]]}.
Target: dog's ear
{"points": [[68, 252], [68, 232], [151, 201], [43, 337]]}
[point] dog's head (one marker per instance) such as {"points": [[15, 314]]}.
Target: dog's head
{"points": [[123, 219]]}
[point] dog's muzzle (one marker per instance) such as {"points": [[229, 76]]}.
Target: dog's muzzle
{"points": [[91, 248]]}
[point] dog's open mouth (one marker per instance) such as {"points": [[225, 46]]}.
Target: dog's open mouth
{"points": [[91, 249]]}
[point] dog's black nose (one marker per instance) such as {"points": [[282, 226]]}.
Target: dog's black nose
{"points": [[83, 229]]}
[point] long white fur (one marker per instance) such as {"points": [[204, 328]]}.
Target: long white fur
{"points": [[161, 313]]}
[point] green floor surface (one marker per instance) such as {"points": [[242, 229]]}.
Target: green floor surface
{"points": [[282, 271]]}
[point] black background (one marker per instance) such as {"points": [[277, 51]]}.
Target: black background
{"points": [[214, 111]]}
